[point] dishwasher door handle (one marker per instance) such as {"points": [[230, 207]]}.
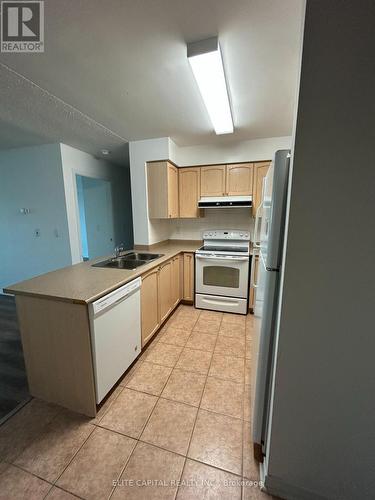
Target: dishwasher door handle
{"points": [[116, 296]]}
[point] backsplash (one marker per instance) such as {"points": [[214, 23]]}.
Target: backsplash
{"points": [[231, 218]]}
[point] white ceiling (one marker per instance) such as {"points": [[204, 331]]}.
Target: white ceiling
{"points": [[120, 72]]}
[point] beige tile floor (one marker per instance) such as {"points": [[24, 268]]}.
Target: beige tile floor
{"points": [[177, 426]]}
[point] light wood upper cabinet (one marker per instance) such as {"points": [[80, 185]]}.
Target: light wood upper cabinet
{"points": [[213, 180], [150, 304], [227, 180], [239, 179], [165, 290], [174, 192], [189, 191], [162, 185], [188, 268], [260, 171], [173, 209]]}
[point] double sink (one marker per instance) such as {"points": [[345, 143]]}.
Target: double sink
{"points": [[130, 260]]}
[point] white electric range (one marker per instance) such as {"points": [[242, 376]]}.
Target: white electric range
{"points": [[222, 267]]}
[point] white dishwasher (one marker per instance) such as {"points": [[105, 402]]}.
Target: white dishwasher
{"points": [[115, 335]]}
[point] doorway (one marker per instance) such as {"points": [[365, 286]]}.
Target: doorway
{"points": [[95, 216]]}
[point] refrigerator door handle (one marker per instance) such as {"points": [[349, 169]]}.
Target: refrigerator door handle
{"points": [[257, 223], [255, 285]]}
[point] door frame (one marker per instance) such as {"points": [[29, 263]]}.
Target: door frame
{"points": [[76, 243]]}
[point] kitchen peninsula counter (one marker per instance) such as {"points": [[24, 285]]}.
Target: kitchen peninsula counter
{"points": [[83, 284], [55, 322]]}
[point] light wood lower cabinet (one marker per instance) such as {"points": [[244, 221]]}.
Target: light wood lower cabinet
{"points": [[57, 350], [165, 290], [188, 290], [161, 292], [176, 280], [150, 304]]}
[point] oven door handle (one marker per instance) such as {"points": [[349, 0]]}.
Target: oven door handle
{"points": [[222, 257]]}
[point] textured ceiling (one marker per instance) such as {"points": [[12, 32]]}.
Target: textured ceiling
{"points": [[116, 71], [29, 116]]}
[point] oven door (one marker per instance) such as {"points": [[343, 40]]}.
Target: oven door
{"points": [[226, 275]]}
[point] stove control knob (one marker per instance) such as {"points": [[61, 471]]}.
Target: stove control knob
{"points": [[241, 235]]}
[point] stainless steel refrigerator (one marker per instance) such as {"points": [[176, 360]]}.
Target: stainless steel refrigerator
{"points": [[272, 222]]}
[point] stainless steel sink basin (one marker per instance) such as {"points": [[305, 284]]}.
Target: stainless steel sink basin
{"points": [[142, 256], [130, 260], [121, 263]]}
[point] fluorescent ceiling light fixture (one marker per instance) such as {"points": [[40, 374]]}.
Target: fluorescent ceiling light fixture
{"points": [[207, 65]]}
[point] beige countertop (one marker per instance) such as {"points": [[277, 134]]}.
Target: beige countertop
{"points": [[83, 283]]}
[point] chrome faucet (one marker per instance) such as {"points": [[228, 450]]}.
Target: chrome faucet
{"points": [[118, 249]]}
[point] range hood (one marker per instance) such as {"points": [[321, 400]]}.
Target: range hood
{"points": [[225, 202]]}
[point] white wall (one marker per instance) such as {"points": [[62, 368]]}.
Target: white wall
{"points": [[77, 162], [222, 152], [192, 229], [82, 217], [323, 439], [147, 232], [32, 178], [98, 216]]}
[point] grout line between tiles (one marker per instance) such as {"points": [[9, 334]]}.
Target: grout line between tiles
{"points": [[187, 449], [110, 405], [66, 491], [151, 413], [75, 454], [196, 417], [198, 408], [59, 410], [53, 483], [158, 397], [243, 428], [123, 468], [32, 474]]}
